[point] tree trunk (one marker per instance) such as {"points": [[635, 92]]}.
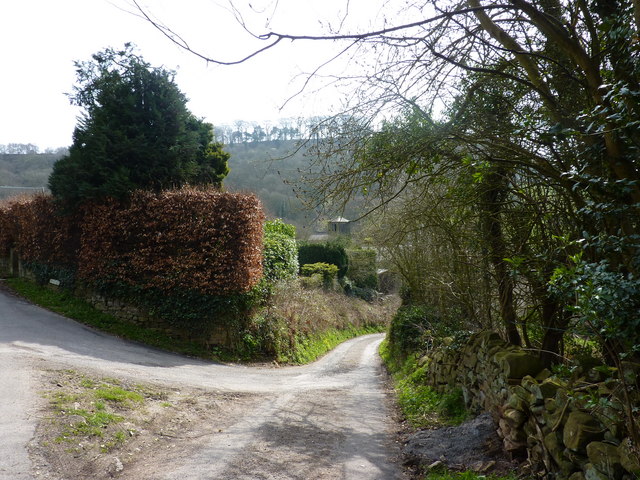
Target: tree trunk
{"points": [[554, 323], [494, 189]]}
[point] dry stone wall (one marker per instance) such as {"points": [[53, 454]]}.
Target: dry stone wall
{"points": [[567, 428], [218, 335]]}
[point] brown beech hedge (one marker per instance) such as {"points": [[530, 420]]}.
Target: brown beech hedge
{"points": [[31, 226], [189, 239], [199, 240]]}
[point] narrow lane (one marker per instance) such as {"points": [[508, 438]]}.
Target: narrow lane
{"points": [[327, 420]]}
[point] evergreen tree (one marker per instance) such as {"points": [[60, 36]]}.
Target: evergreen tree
{"points": [[135, 132]]}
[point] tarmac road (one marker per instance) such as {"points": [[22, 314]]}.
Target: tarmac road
{"points": [[327, 420]]}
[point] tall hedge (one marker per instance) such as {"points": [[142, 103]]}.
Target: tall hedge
{"points": [[31, 225], [6, 227], [182, 240], [328, 252], [280, 256]]}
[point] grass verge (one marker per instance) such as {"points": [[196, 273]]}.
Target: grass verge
{"points": [[421, 405], [310, 348], [300, 323]]}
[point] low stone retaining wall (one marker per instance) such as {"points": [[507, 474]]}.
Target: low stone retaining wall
{"points": [[572, 428], [219, 335]]}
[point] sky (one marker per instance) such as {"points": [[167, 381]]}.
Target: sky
{"points": [[40, 40]]}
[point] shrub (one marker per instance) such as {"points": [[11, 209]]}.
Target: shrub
{"points": [[277, 226], [366, 294], [313, 282], [362, 268], [412, 329], [326, 270], [329, 252]]}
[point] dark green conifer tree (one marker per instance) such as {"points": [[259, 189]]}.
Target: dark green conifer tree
{"points": [[135, 133]]}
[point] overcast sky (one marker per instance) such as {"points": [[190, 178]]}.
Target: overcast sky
{"points": [[40, 39]]}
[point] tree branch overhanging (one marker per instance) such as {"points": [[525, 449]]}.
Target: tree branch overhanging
{"points": [[275, 38]]}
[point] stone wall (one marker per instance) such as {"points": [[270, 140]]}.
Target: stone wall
{"points": [[567, 428], [218, 335]]}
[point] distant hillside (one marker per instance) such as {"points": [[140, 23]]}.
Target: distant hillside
{"points": [[259, 167], [263, 168], [25, 170]]}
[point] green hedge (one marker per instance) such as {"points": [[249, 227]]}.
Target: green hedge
{"points": [[280, 252], [329, 252]]}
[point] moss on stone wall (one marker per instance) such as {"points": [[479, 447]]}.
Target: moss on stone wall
{"points": [[566, 427]]}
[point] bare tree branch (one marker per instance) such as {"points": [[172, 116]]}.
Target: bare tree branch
{"points": [[275, 37]]}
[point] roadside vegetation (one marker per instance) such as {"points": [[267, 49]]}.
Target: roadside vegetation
{"points": [[297, 326], [301, 324], [421, 405], [415, 331]]}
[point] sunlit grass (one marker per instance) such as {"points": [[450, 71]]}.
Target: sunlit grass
{"points": [[468, 475], [117, 394], [420, 404], [94, 410]]}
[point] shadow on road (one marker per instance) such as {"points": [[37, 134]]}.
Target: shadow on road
{"points": [[29, 327]]}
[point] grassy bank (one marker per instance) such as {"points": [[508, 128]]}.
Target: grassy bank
{"points": [[312, 347], [301, 324], [421, 406]]}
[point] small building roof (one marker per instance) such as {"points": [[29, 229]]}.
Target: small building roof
{"points": [[339, 220]]}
